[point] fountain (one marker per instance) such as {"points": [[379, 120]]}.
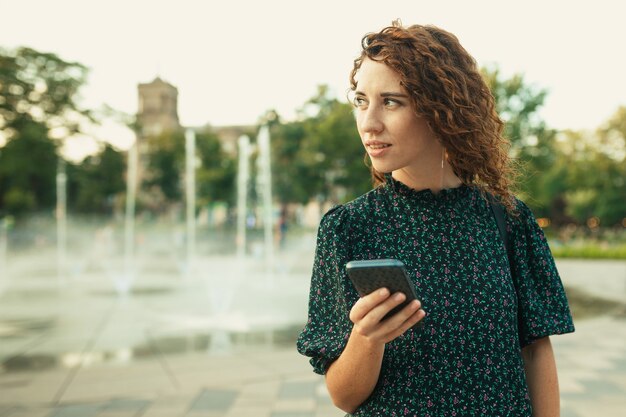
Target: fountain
{"points": [[61, 218], [190, 200], [124, 283], [265, 182], [4, 244], [243, 176]]}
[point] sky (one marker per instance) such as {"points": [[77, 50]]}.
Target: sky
{"points": [[234, 60]]}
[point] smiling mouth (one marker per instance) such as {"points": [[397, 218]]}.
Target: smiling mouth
{"points": [[378, 146]]}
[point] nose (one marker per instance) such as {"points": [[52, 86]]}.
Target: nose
{"points": [[370, 120]]}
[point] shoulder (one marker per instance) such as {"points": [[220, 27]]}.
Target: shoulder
{"points": [[524, 226], [363, 206], [348, 215], [522, 215]]}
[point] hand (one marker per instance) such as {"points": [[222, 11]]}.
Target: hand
{"points": [[367, 313]]}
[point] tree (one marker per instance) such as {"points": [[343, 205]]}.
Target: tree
{"points": [[216, 173], [37, 105], [294, 176], [596, 171], [532, 141], [28, 164], [96, 182], [41, 87], [165, 169], [332, 142]]}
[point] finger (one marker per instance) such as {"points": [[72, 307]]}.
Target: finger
{"points": [[398, 319], [365, 304], [377, 313], [415, 318]]}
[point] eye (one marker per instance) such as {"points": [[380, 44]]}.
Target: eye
{"points": [[359, 102], [390, 102]]}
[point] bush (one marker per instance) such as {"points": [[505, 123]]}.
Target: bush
{"points": [[592, 250]]}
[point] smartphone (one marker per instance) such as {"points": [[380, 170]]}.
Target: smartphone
{"points": [[368, 276]]}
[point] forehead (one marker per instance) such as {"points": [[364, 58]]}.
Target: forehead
{"points": [[374, 76]]}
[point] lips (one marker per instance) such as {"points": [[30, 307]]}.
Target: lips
{"points": [[376, 148]]}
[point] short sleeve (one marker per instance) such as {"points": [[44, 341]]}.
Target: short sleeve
{"points": [[328, 327], [543, 309]]}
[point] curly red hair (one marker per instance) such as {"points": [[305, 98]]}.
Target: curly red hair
{"points": [[448, 91]]}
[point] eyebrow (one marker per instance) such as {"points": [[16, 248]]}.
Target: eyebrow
{"points": [[385, 94]]}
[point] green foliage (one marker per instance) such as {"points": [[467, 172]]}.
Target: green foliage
{"points": [[165, 165], [216, 175], [596, 172], [27, 170], [591, 251], [320, 155], [567, 177], [165, 157], [294, 175], [532, 142], [37, 102], [40, 87], [97, 182], [518, 104]]}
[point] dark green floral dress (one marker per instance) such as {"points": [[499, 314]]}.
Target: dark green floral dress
{"points": [[466, 358]]}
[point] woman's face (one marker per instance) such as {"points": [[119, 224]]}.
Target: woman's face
{"points": [[393, 136]]}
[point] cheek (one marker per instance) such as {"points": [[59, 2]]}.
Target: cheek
{"points": [[357, 121]]}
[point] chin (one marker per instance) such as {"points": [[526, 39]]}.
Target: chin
{"points": [[383, 169]]}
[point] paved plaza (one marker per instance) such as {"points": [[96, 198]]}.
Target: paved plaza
{"points": [[219, 341]]}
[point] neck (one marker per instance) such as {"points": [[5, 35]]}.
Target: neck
{"points": [[428, 174]]}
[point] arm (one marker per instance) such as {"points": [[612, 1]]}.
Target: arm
{"points": [[353, 376], [541, 376]]}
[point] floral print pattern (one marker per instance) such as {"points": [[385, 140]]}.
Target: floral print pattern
{"points": [[466, 358]]}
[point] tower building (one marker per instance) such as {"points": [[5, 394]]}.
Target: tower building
{"points": [[158, 107]]}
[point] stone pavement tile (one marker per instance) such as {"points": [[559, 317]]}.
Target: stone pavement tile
{"points": [[41, 388], [297, 390], [127, 404], [285, 360], [323, 397], [619, 379], [602, 387], [119, 413], [172, 408], [328, 411], [227, 372], [264, 390], [592, 389], [255, 411], [569, 385], [29, 412], [294, 405], [172, 403], [568, 412], [248, 403], [218, 400], [77, 410], [619, 365], [591, 358], [105, 382], [102, 390], [166, 413], [5, 409], [203, 414], [602, 406], [242, 404], [14, 380]]}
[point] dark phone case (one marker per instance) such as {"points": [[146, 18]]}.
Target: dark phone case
{"points": [[368, 276]]}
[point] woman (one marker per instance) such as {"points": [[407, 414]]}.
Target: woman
{"points": [[429, 127]]}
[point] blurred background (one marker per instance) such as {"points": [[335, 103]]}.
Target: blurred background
{"points": [[164, 167]]}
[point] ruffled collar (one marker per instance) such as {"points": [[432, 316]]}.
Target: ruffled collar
{"points": [[447, 194]]}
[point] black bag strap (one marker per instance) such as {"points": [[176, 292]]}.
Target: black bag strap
{"points": [[498, 214]]}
